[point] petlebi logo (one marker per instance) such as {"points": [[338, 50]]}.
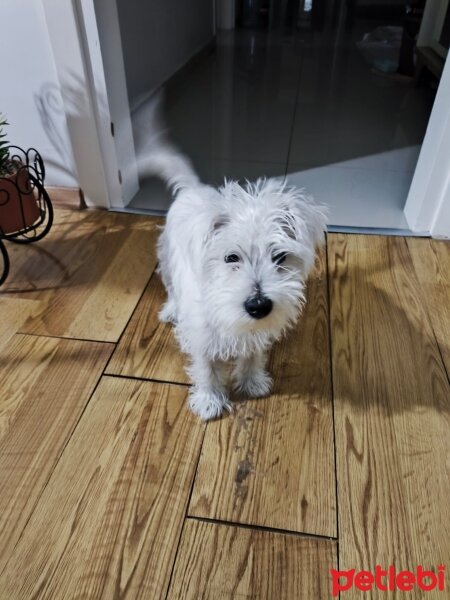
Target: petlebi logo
{"points": [[388, 580]]}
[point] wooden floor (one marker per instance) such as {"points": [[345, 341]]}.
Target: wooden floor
{"points": [[110, 488]]}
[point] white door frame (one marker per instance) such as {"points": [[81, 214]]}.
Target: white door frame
{"points": [[428, 204], [104, 54], [118, 152]]}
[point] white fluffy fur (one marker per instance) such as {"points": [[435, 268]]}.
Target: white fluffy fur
{"points": [[206, 295]]}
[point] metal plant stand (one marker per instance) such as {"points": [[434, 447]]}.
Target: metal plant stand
{"points": [[28, 185]]}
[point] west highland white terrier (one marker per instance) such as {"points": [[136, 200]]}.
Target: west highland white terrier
{"points": [[234, 262]]}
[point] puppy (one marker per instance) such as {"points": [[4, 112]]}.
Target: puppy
{"points": [[234, 262]]}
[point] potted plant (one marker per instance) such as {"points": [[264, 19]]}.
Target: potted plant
{"points": [[19, 208]]}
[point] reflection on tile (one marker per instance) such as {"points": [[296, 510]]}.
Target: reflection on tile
{"points": [[153, 195], [345, 110], [307, 103], [401, 159], [240, 103], [357, 197], [215, 171]]}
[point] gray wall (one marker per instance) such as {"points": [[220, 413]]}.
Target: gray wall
{"points": [[159, 37]]}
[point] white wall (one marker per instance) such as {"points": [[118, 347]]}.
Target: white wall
{"points": [[67, 33], [30, 95], [159, 37]]}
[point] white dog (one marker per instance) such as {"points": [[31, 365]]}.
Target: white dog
{"points": [[234, 262]]}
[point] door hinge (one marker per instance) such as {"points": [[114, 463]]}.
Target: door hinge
{"points": [[112, 128], [120, 176]]}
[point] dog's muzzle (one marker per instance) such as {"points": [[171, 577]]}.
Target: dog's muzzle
{"points": [[258, 306]]}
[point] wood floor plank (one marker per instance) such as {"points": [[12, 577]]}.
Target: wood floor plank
{"points": [[431, 260], [14, 313], [109, 521], [392, 410], [148, 348], [222, 562], [89, 273], [45, 386], [271, 463]]}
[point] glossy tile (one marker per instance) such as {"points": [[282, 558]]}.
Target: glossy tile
{"points": [[216, 171], [306, 103], [240, 102], [152, 196], [357, 197], [345, 110], [402, 160]]}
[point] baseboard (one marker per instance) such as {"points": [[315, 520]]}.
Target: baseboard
{"points": [[376, 231], [66, 197]]}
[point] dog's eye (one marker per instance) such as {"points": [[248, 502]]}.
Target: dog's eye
{"points": [[278, 259], [231, 258]]}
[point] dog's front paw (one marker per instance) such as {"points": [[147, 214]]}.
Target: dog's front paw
{"points": [[255, 385], [168, 312], [208, 404]]}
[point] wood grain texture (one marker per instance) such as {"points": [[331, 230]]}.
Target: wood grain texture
{"points": [[148, 348], [89, 273], [431, 259], [271, 463], [45, 386], [14, 312], [220, 562], [109, 521], [392, 410]]}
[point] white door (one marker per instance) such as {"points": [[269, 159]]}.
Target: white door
{"points": [[108, 85]]}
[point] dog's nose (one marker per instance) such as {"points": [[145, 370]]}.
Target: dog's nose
{"points": [[258, 306]]}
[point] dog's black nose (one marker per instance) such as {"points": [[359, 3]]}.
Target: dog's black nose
{"points": [[258, 306]]}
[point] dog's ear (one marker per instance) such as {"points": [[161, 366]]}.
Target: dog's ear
{"points": [[305, 222], [315, 220], [217, 220], [220, 221]]}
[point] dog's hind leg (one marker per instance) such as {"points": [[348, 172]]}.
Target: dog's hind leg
{"points": [[250, 376], [168, 311], [208, 397]]}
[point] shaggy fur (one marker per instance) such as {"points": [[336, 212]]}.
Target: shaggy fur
{"points": [[220, 248]]}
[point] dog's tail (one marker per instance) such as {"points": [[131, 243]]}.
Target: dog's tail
{"points": [[156, 155], [170, 165]]}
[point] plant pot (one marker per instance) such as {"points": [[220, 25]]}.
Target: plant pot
{"points": [[18, 206]]}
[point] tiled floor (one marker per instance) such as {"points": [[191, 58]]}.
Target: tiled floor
{"points": [[305, 105]]}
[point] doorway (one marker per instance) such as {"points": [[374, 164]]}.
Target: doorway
{"points": [[322, 93]]}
